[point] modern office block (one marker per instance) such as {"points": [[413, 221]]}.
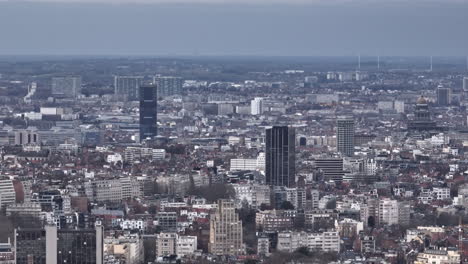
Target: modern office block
{"points": [[66, 87], [280, 156], [50, 245], [148, 111], [168, 85], [127, 87], [345, 135], [443, 96], [256, 106]]}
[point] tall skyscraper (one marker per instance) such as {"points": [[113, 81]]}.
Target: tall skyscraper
{"points": [[225, 230], [168, 85], [443, 96], [50, 245], [148, 111], [66, 87], [256, 106], [126, 87], [345, 135], [280, 156]]}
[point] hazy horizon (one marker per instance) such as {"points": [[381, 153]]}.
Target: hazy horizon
{"points": [[252, 28]]}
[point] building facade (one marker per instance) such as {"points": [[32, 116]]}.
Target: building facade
{"points": [[168, 85], [280, 160], [50, 245], [148, 112], [345, 135], [127, 87], [66, 87], [225, 230]]}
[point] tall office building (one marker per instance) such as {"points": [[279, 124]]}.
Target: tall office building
{"points": [[345, 135], [50, 245], [443, 96], [148, 111], [225, 230], [66, 87], [256, 106], [168, 85], [127, 87], [280, 156]]}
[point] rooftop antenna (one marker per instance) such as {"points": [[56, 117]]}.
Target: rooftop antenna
{"points": [[359, 61], [431, 64]]}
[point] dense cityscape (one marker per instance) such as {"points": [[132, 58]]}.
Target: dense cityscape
{"points": [[233, 160]]}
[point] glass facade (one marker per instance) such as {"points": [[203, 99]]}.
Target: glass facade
{"points": [[30, 246], [148, 112], [280, 162], [76, 246]]}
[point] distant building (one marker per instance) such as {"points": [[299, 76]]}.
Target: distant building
{"points": [[399, 106], [66, 87], [167, 85], [50, 245], [27, 136], [167, 221], [386, 212], [438, 256], [444, 96], [256, 106], [332, 168], [7, 193], [422, 117], [126, 248], [345, 135], [186, 245], [166, 244], [325, 241], [127, 87], [148, 111], [225, 230], [465, 84], [280, 159]]}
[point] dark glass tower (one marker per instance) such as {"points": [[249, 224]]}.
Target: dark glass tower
{"points": [[148, 111], [443, 96], [345, 135], [280, 163], [52, 245]]}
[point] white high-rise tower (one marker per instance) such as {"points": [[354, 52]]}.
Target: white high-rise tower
{"points": [[257, 106]]}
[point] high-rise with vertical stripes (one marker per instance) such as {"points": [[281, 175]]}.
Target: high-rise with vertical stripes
{"points": [[280, 156], [148, 111], [345, 135]]}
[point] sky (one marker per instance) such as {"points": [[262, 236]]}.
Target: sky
{"points": [[234, 27]]}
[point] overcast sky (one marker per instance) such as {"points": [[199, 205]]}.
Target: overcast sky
{"points": [[234, 27]]}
